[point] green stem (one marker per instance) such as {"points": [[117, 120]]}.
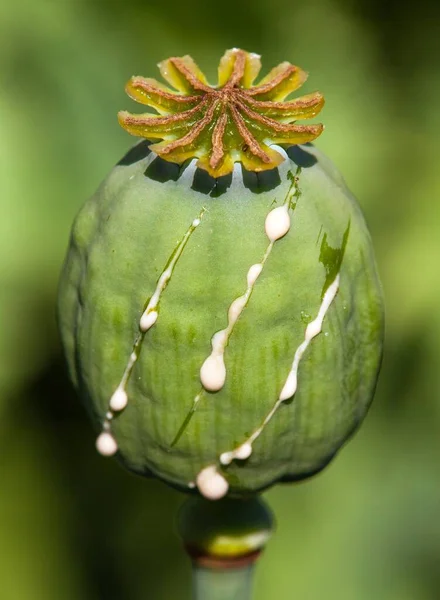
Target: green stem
{"points": [[223, 539], [219, 584]]}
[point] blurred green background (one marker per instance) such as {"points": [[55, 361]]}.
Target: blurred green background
{"points": [[77, 527]]}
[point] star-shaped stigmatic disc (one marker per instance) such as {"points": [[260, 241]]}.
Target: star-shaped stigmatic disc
{"points": [[236, 121]]}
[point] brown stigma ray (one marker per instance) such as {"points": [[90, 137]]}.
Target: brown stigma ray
{"points": [[292, 77], [190, 137], [218, 150], [132, 123], [274, 127], [247, 136], [234, 121], [301, 108], [238, 71], [139, 84], [189, 76]]}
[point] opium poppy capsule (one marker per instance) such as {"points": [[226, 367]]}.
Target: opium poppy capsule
{"points": [[219, 306]]}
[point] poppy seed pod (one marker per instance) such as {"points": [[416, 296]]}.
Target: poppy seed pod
{"points": [[219, 304]]}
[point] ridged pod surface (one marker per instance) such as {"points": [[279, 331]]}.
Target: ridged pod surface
{"points": [[170, 249]]}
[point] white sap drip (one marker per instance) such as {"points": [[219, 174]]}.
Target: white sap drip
{"points": [[241, 453], [290, 386], [150, 314], [119, 400], [106, 443], [148, 319], [211, 483], [277, 223], [254, 273], [213, 370], [312, 330]]}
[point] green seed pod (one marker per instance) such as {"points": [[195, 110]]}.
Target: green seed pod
{"points": [[223, 320]]}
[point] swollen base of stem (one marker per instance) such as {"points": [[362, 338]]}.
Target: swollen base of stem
{"points": [[224, 539]]}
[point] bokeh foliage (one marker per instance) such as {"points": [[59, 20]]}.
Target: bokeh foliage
{"points": [[75, 526]]}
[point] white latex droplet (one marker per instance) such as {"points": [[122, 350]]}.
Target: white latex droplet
{"points": [[119, 400], [244, 451], [289, 387], [241, 453], [148, 319], [253, 274], [236, 309], [106, 444], [211, 483], [213, 373], [313, 329], [277, 223]]}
